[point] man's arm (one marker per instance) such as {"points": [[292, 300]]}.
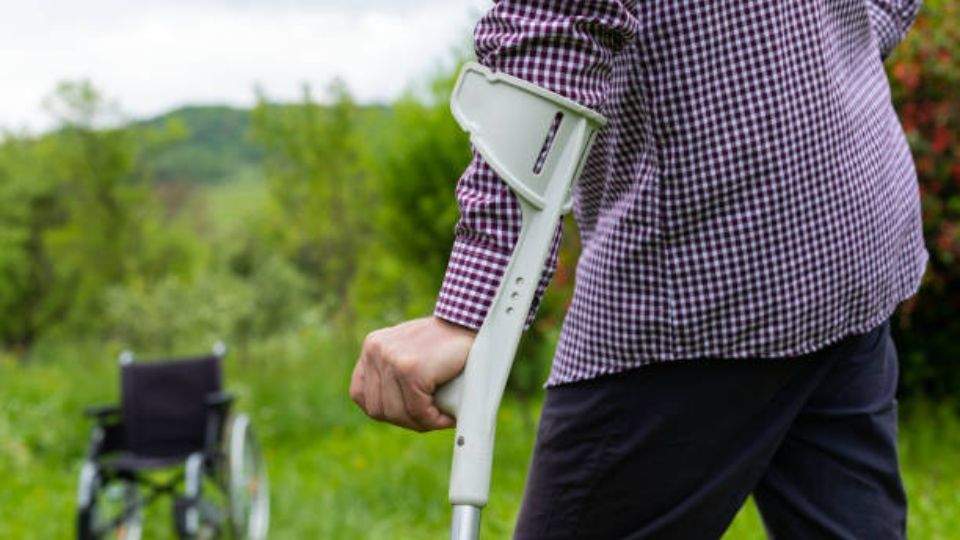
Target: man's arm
{"points": [[566, 47], [891, 19]]}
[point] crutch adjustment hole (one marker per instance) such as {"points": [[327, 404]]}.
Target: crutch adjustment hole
{"points": [[461, 441]]}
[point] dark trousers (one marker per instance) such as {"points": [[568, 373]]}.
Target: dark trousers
{"points": [[673, 450]]}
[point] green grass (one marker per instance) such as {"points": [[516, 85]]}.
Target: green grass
{"points": [[333, 473]]}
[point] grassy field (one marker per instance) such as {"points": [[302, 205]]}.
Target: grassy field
{"points": [[333, 473]]}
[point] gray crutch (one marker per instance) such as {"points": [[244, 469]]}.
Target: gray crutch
{"points": [[537, 142]]}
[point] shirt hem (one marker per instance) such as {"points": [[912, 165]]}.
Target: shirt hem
{"points": [[812, 347]]}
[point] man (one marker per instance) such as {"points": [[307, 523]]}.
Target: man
{"points": [[750, 220]]}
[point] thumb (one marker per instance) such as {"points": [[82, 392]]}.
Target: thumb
{"points": [[451, 357]]}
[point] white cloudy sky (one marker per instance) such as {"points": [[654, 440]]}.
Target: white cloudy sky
{"points": [[152, 55]]}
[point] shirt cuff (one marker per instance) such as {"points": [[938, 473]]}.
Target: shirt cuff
{"points": [[470, 284]]}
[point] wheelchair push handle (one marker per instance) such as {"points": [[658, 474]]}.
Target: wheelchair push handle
{"points": [[537, 142]]}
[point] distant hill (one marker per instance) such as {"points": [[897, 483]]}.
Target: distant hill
{"points": [[217, 146]]}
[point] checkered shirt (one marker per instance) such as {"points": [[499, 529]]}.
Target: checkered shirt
{"points": [[752, 195]]}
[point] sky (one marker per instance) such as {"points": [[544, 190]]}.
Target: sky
{"points": [[150, 56]]}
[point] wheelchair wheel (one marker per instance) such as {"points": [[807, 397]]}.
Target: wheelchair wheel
{"points": [[248, 490], [107, 511]]}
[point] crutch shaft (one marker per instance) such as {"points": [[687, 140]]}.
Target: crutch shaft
{"points": [[466, 522]]}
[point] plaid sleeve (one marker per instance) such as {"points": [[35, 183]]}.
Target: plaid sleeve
{"points": [[565, 47], [891, 19]]}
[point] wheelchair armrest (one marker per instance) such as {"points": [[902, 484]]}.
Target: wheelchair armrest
{"points": [[218, 408], [219, 400], [102, 413], [109, 434]]}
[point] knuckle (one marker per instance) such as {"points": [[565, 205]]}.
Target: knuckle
{"points": [[404, 366], [388, 353], [372, 344]]}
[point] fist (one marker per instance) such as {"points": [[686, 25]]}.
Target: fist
{"points": [[401, 367]]}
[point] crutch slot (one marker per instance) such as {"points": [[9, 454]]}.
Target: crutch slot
{"points": [[548, 142]]}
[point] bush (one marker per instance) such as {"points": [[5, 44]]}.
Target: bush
{"points": [[184, 315], [925, 76], [420, 153]]}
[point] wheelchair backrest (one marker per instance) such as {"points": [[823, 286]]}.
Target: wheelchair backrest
{"points": [[164, 404]]}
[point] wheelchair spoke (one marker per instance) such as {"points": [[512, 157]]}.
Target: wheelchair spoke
{"points": [[114, 512]]}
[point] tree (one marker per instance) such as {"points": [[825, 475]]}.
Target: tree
{"points": [[77, 217], [30, 209], [320, 191]]}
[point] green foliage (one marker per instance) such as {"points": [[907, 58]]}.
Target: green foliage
{"points": [[27, 195], [177, 314], [417, 158], [925, 71], [80, 218], [425, 151], [320, 191], [242, 292], [215, 146]]}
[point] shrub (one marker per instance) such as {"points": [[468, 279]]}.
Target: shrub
{"points": [[925, 77]]}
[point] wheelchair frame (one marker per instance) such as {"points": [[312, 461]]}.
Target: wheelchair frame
{"points": [[109, 503]]}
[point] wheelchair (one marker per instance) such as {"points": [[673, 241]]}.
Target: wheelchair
{"points": [[173, 434]]}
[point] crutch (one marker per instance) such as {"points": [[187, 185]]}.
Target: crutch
{"points": [[537, 142]]}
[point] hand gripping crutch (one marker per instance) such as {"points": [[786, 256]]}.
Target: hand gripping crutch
{"points": [[537, 142]]}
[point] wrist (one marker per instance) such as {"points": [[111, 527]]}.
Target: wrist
{"points": [[452, 326]]}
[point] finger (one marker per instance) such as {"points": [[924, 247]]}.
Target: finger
{"points": [[420, 408], [394, 410], [373, 404], [444, 421], [356, 384]]}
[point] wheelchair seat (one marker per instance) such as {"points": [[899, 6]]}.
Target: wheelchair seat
{"points": [[172, 414], [128, 463]]}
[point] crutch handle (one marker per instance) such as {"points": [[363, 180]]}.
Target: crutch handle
{"points": [[448, 396]]}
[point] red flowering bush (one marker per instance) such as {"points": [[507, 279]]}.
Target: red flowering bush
{"points": [[925, 76]]}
